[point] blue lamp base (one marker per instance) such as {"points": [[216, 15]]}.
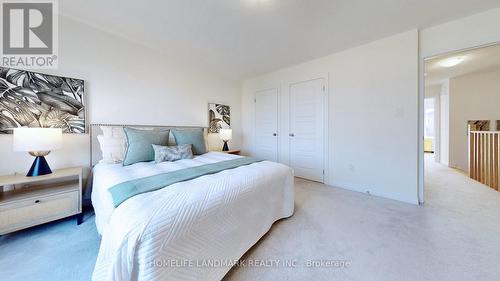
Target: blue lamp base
{"points": [[39, 167], [225, 147]]}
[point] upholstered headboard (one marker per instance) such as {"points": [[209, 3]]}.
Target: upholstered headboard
{"points": [[95, 130]]}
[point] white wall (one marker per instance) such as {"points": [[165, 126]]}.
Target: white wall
{"points": [[127, 83], [472, 97], [444, 132], [432, 91], [476, 30], [373, 106]]}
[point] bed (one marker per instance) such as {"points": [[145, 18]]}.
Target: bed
{"points": [[190, 230]]}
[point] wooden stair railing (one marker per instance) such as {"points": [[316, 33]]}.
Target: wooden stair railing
{"points": [[484, 158]]}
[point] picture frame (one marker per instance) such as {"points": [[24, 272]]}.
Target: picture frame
{"points": [[32, 99], [219, 117]]}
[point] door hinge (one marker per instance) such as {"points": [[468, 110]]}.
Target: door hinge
{"points": [[255, 100], [323, 172], [324, 88]]}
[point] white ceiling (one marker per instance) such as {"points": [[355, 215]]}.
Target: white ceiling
{"points": [[475, 60], [243, 38]]}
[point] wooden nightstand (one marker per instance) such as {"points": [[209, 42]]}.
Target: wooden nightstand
{"points": [[237, 152], [37, 200]]}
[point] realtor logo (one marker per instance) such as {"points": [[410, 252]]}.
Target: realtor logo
{"points": [[29, 33]]}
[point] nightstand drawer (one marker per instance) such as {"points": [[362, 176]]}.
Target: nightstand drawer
{"points": [[36, 210]]}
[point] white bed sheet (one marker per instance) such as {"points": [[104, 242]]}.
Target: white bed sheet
{"points": [[192, 230], [108, 175]]}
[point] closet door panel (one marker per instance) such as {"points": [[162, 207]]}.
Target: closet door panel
{"points": [[266, 124], [306, 136]]}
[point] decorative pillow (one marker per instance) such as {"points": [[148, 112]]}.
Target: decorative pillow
{"points": [[194, 137], [172, 153], [113, 131], [112, 148], [140, 143]]}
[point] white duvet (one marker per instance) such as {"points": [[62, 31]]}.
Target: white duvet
{"points": [[193, 230]]}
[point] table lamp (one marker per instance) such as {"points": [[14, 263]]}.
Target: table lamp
{"points": [[38, 142], [225, 135]]}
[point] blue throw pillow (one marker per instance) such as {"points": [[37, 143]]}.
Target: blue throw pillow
{"points": [[194, 137], [140, 144]]}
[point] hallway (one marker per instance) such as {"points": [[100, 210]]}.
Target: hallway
{"points": [[453, 188], [472, 213]]}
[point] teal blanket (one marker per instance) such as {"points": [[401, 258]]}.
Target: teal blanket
{"points": [[125, 190]]}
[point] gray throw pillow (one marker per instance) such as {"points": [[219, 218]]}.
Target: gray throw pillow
{"points": [[194, 137], [140, 143], [172, 153]]}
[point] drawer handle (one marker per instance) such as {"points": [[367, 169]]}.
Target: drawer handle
{"points": [[37, 201]]}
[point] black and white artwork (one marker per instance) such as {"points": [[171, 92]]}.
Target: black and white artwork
{"points": [[30, 99], [219, 116], [479, 125]]}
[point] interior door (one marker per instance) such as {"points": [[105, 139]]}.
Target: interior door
{"points": [[307, 129], [266, 124]]}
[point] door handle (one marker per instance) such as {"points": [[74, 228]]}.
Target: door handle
{"points": [[291, 134], [274, 134]]}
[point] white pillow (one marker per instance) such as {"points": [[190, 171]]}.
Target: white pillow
{"points": [[113, 149], [113, 132], [113, 145]]}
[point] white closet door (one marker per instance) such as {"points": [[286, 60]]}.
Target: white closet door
{"points": [[307, 129], [266, 124]]}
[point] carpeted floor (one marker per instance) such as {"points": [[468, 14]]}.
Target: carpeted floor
{"points": [[454, 236], [57, 251]]}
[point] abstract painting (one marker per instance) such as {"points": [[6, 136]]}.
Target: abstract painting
{"points": [[479, 125], [219, 117], [30, 99]]}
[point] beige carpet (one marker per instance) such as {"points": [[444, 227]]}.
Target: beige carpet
{"points": [[454, 236]]}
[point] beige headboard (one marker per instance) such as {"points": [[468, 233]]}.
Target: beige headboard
{"points": [[95, 130]]}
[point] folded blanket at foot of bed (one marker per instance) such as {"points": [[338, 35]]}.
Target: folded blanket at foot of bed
{"points": [[125, 190]]}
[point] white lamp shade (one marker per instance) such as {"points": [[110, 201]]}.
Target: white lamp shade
{"points": [[37, 139], [226, 134]]}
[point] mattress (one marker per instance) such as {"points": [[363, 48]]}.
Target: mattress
{"points": [[191, 230]]}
